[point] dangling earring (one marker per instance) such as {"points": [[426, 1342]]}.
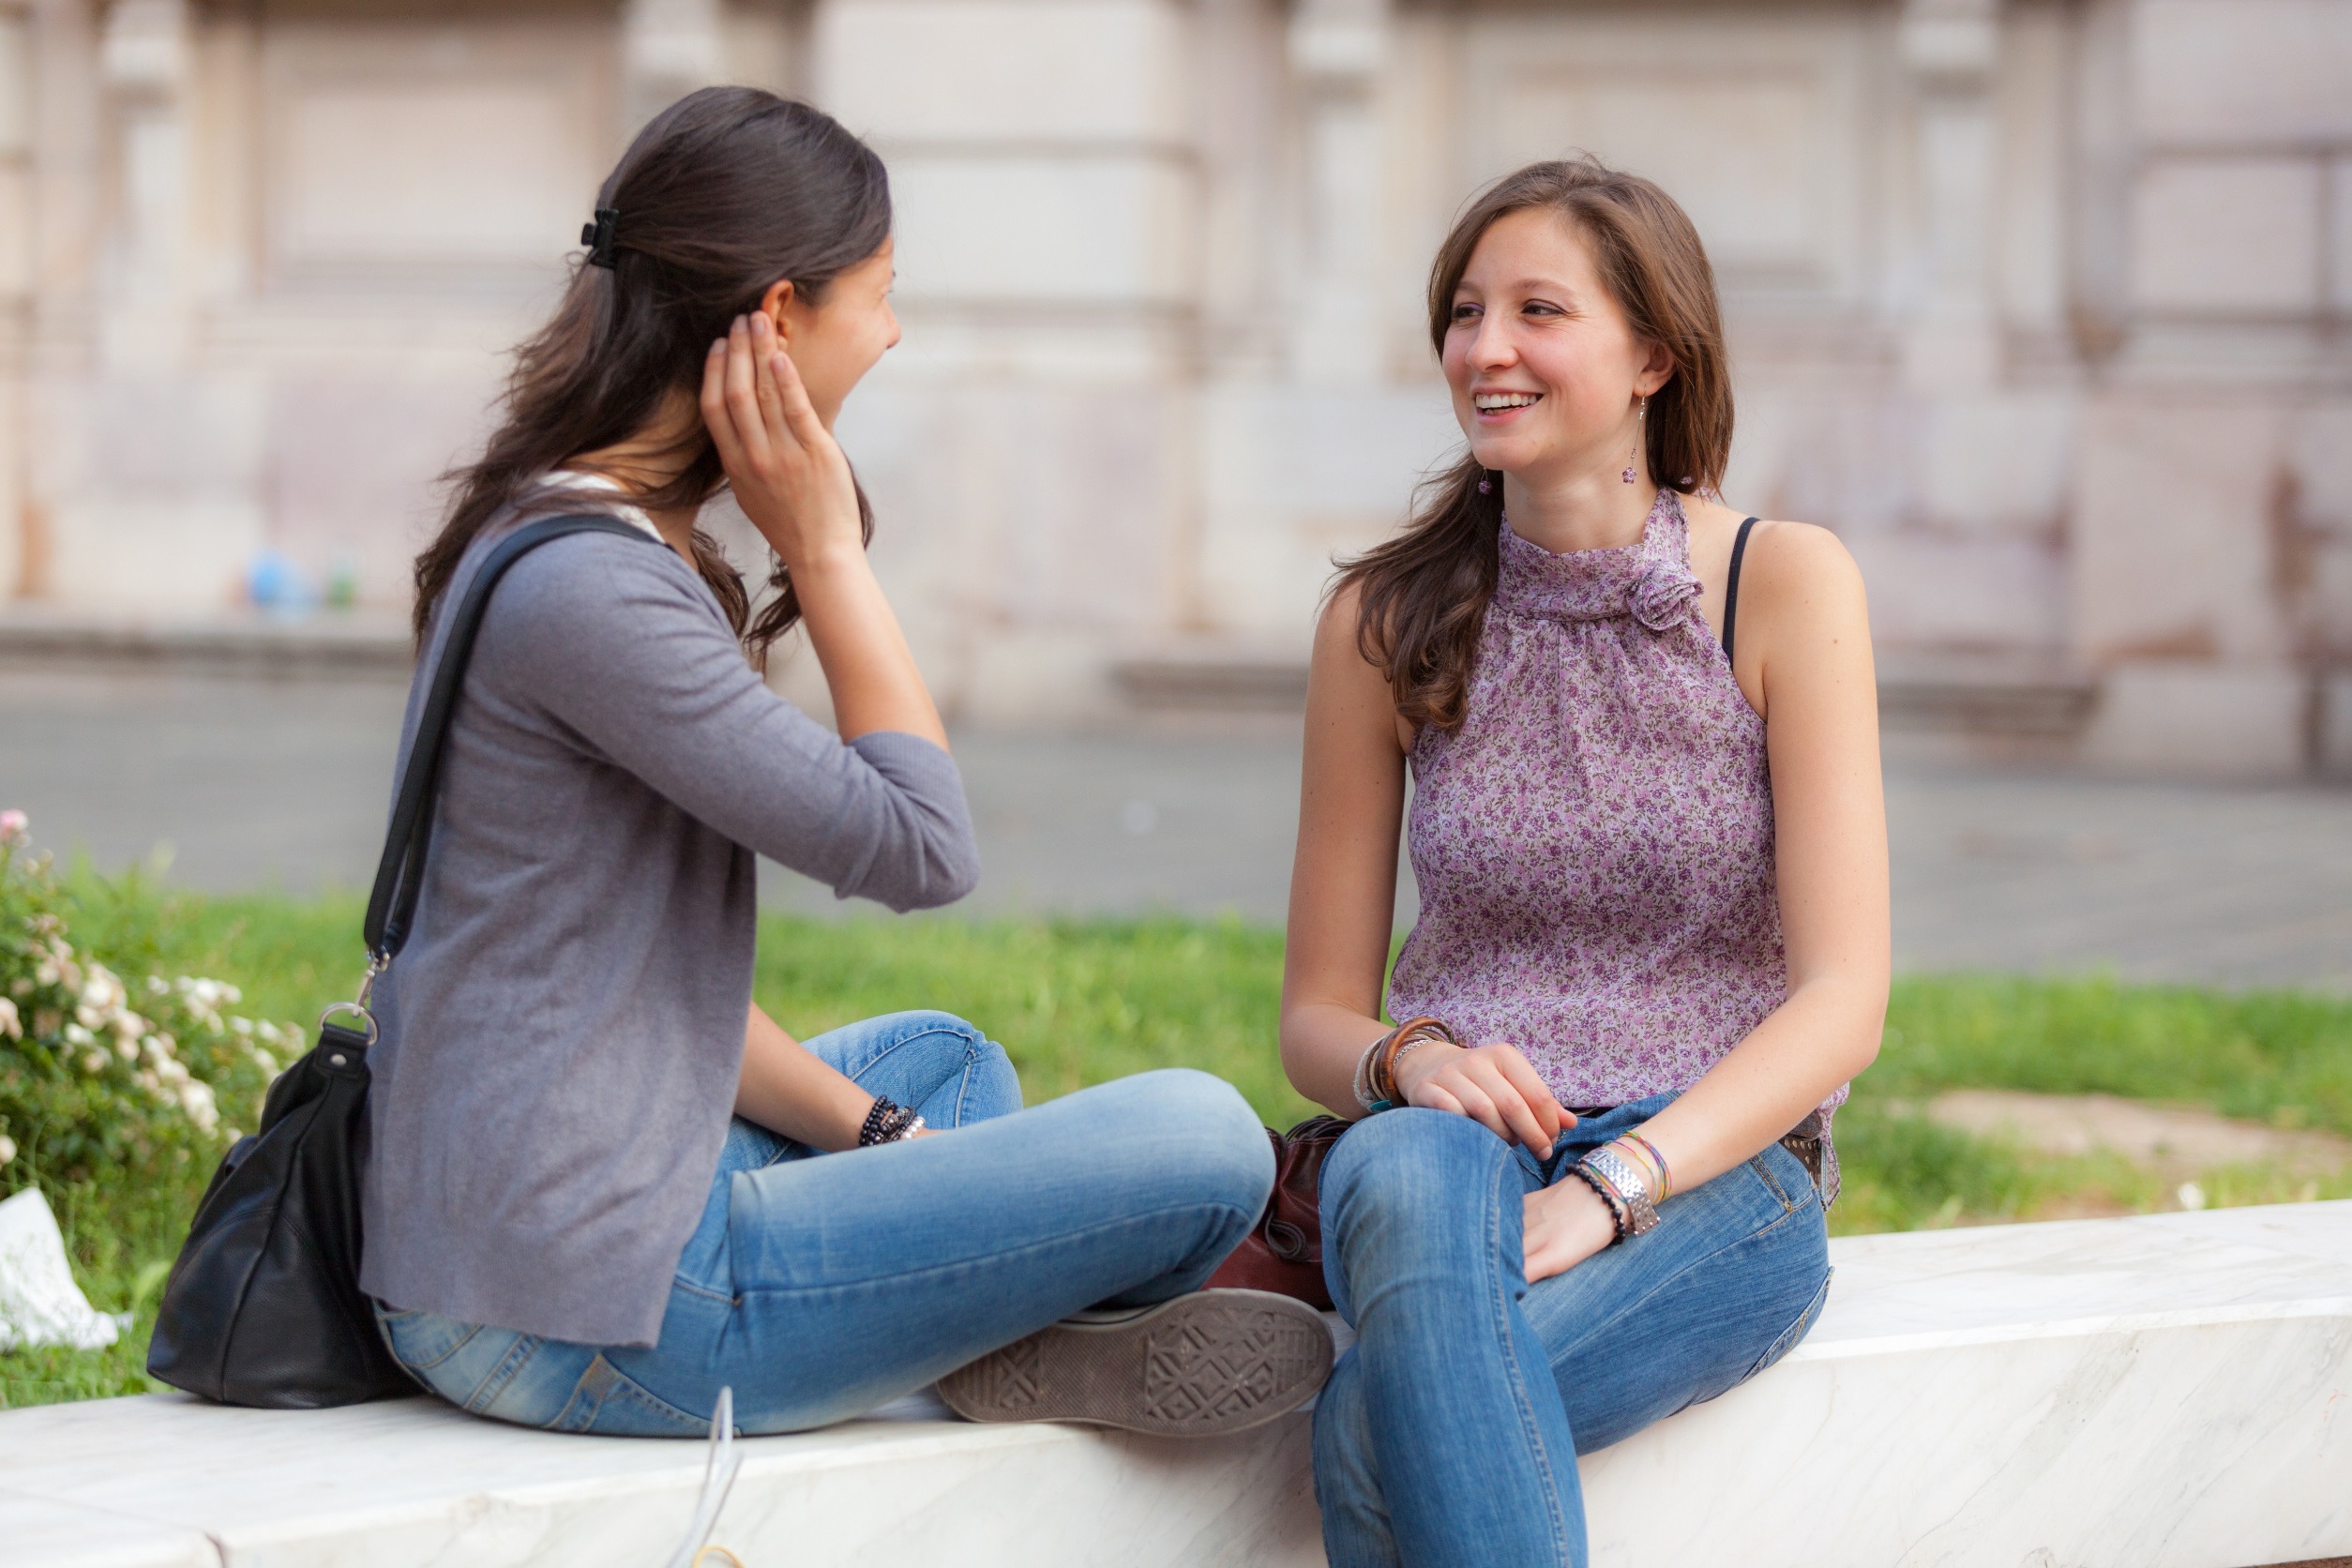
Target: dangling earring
{"points": [[1635, 456], [1485, 487]]}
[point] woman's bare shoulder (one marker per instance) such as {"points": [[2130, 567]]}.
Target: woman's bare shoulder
{"points": [[1799, 562], [1339, 626], [1345, 681]]}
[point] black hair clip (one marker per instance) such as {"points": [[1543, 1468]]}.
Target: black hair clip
{"points": [[598, 236]]}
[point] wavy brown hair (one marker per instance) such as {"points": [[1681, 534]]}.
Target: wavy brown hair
{"points": [[1423, 596], [723, 194]]}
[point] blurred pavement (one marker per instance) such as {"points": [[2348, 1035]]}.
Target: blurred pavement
{"points": [[243, 783]]}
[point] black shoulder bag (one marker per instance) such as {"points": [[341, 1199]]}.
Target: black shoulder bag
{"points": [[262, 1306]]}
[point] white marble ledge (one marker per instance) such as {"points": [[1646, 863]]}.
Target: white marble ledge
{"points": [[1991, 1283], [2170, 1392]]}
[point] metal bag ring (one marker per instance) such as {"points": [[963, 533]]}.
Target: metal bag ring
{"points": [[335, 1007]]}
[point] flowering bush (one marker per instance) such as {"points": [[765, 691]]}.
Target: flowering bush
{"points": [[99, 1075]]}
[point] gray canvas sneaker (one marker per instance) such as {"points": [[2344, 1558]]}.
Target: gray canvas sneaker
{"points": [[1199, 1366]]}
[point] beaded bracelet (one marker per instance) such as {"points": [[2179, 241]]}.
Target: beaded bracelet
{"points": [[888, 1121], [1609, 1195]]}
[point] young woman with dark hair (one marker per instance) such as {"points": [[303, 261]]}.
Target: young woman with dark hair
{"points": [[1587, 1184], [592, 1197]]}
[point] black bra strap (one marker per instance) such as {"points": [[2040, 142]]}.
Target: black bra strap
{"points": [[1731, 586]]}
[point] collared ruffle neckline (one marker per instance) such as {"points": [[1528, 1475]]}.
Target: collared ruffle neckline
{"points": [[1650, 580]]}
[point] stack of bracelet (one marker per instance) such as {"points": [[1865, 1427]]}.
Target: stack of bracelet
{"points": [[887, 1122], [1376, 1069], [1632, 1178]]}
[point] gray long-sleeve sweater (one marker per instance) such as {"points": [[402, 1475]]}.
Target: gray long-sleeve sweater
{"points": [[563, 1032]]}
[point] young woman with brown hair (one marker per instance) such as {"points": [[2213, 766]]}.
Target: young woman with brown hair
{"points": [[602, 1185], [1653, 946]]}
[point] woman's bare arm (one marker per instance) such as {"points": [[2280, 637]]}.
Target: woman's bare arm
{"points": [[1343, 906], [787, 1089], [1342, 881], [1804, 645], [1803, 656]]}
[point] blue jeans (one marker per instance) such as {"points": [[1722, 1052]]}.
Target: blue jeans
{"points": [[1449, 1433], [819, 1286]]}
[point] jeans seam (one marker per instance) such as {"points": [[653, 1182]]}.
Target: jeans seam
{"points": [[419, 1368], [1771, 1182], [963, 1083], [1063, 1238], [509, 1366], [966, 1033], [1798, 1327], [612, 1383], [1521, 1399]]}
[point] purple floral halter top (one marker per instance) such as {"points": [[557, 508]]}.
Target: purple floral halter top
{"points": [[1595, 844]]}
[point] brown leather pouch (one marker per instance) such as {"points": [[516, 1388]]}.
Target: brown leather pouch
{"points": [[1285, 1252]]}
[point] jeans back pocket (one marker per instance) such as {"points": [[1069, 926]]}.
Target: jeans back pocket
{"points": [[1792, 1336]]}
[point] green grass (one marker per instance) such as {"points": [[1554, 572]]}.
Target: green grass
{"points": [[1080, 1002], [2280, 1057]]}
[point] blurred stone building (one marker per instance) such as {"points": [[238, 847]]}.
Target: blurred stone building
{"points": [[2041, 304]]}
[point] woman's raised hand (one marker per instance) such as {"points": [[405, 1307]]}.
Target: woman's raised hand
{"points": [[1492, 1085], [787, 473]]}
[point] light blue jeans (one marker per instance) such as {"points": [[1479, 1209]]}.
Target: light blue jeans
{"points": [[1449, 1434], [818, 1287]]}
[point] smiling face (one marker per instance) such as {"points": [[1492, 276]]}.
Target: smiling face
{"points": [[1547, 372], [834, 341]]}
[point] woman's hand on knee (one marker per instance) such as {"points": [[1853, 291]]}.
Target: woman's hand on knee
{"points": [[1561, 1226], [1492, 1085]]}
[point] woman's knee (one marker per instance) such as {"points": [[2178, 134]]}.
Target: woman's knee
{"points": [[1407, 1163], [1195, 1128]]}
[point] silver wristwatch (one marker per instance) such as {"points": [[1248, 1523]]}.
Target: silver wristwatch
{"points": [[1641, 1209]]}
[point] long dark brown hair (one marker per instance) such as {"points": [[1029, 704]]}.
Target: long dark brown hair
{"points": [[726, 191], [1423, 596]]}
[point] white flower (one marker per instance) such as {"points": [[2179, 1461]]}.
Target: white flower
{"points": [[93, 1062], [196, 1099], [15, 828], [102, 989], [8, 1147], [128, 1049], [157, 986], [10, 1025], [77, 1035]]}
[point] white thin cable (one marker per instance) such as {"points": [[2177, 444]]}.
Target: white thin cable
{"points": [[718, 1479]]}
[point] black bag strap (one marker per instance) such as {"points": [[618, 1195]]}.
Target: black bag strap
{"points": [[399, 875], [1731, 587]]}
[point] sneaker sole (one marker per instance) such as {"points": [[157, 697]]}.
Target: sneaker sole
{"points": [[1198, 1367]]}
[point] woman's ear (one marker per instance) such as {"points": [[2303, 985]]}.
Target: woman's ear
{"points": [[774, 305], [1655, 372]]}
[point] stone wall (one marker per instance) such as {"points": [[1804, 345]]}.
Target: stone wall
{"points": [[2040, 303]]}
